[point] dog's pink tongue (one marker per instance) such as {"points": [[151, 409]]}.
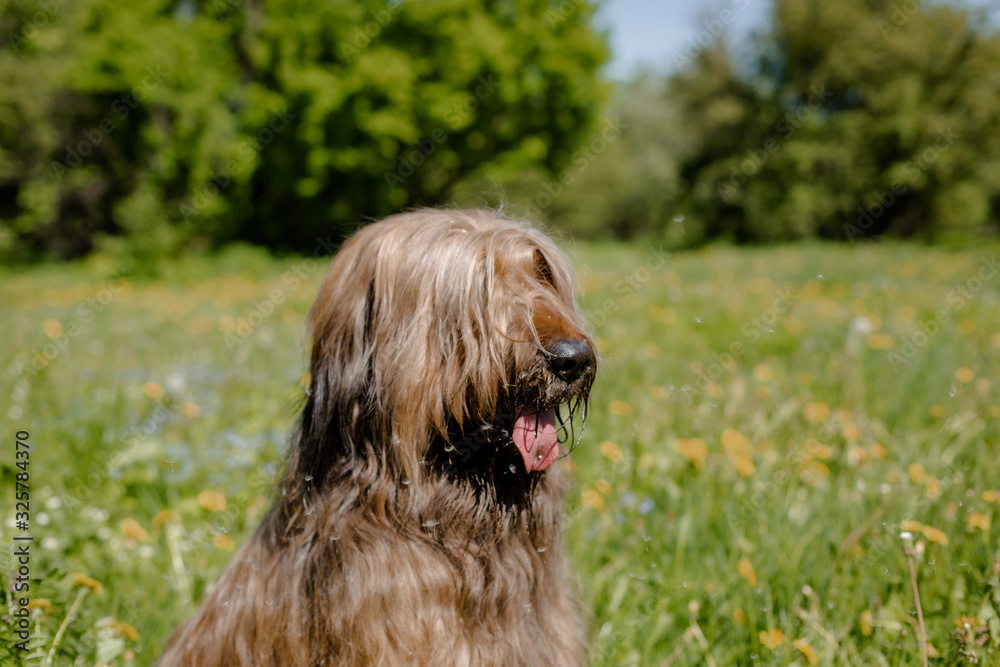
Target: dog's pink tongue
{"points": [[536, 438]]}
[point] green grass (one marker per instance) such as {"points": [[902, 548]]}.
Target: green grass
{"points": [[832, 440]]}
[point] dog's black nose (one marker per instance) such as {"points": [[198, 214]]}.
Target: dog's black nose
{"points": [[569, 359]]}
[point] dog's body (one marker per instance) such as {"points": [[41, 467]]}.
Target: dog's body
{"points": [[418, 519]]}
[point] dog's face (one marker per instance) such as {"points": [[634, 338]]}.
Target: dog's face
{"points": [[449, 342]]}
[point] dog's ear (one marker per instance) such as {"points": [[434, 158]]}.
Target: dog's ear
{"points": [[543, 271]]}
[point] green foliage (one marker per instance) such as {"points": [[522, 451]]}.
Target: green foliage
{"points": [[155, 126], [854, 119], [620, 181], [857, 419]]}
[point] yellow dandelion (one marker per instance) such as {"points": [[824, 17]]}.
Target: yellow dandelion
{"points": [[132, 529], [933, 487], [41, 603], [739, 450], [934, 535], [816, 468], [734, 441], [763, 372], [694, 450], [937, 411], [878, 451], [911, 526], [977, 520], [916, 472], [664, 315], [965, 374], [743, 464], [153, 390], [792, 324], [52, 328], [657, 392], [906, 314], [125, 630], [83, 580], [190, 410], [867, 623], [991, 496], [212, 501], [592, 498], [814, 449], [739, 618], [968, 622], [762, 392], [747, 572], [619, 408], [165, 516], [966, 327], [816, 412], [772, 638], [647, 460], [224, 542], [881, 341], [602, 486], [851, 432], [227, 324], [857, 456], [611, 451], [806, 650]]}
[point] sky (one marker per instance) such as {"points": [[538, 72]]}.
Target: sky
{"points": [[654, 32]]}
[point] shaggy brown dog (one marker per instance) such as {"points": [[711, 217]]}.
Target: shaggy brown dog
{"points": [[418, 518]]}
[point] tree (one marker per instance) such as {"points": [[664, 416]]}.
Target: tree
{"points": [[166, 124], [855, 119]]}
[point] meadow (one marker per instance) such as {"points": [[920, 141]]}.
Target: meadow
{"points": [[766, 424]]}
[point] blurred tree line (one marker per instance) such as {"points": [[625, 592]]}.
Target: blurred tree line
{"points": [[845, 120], [151, 128]]}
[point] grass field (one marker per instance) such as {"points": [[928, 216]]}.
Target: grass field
{"points": [[766, 423]]}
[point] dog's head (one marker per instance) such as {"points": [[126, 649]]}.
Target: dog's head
{"points": [[445, 342]]}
